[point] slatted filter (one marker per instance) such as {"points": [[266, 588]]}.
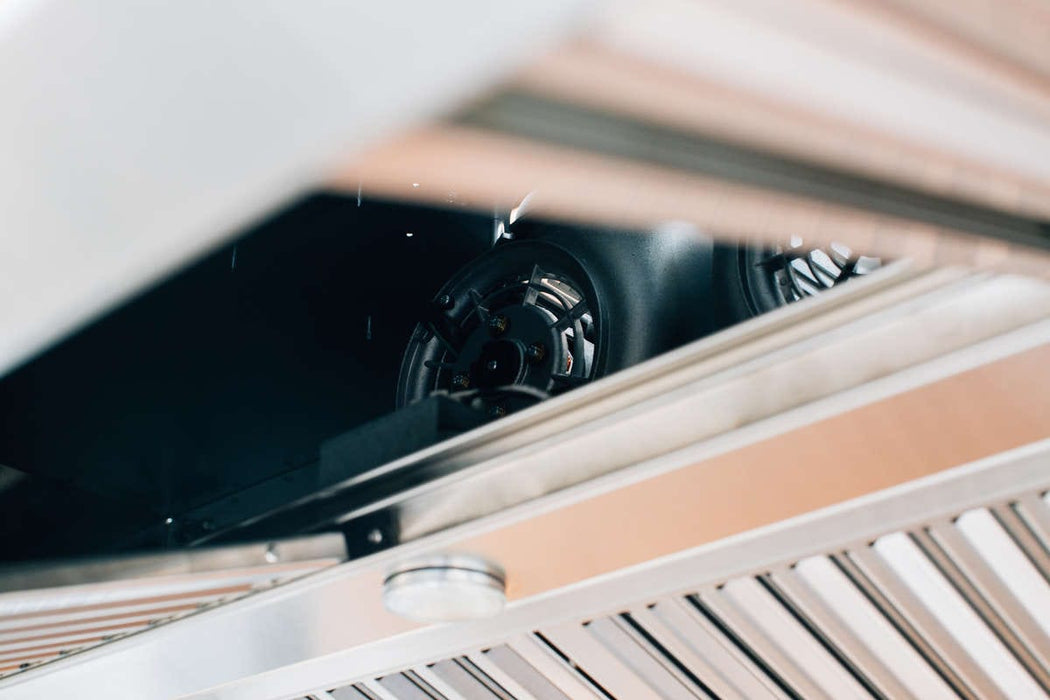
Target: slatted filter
{"points": [[40, 625], [947, 609]]}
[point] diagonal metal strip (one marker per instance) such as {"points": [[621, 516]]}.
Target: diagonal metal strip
{"points": [[915, 623], [979, 585], [866, 666], [690, 638]]}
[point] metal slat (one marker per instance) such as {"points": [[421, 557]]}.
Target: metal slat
{"points": [[483, 678], [92, 616], [27, 661], [698, 649], [753, 642], [75, 635], [550, 667], [1035, 511], [643, 660], [959, 562], [782, 631], [425, 685], [369, 691], [465, 684], [1020, 521], [498, 676], [936, 594], [255, 562], [438, 683], [76, 606], [44, 651], [911, 618], [532, 682], [348, 692], [600, 663], [376, 689], [400, 687], [859, 626], [1010, 564], [834, 633]]}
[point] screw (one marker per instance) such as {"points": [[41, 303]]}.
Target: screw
{"points": [[497, 411], [460, 381], [535, 353], [498, 324], [375, 536], [492, 365], [444, 302], [270, 555]]}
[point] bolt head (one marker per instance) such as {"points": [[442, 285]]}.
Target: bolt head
{"points": [[497, 411], [536, 352], [499, 324], [444, 302], [460, 381], [375, 536]]}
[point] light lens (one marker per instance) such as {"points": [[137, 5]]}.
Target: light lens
{"points": [[445, 590]]}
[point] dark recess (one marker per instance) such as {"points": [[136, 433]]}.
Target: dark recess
{"points": [[229, 372]]}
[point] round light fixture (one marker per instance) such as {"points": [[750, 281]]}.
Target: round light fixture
{"points": [[445, 588]]}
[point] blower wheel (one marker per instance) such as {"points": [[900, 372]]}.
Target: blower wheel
{"points": [[553, 309], [757, 279]]}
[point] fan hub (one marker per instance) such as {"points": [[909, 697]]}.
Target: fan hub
{"points": [[496, 360]]}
